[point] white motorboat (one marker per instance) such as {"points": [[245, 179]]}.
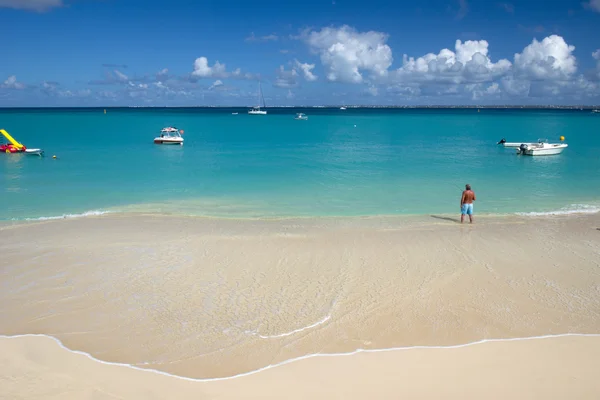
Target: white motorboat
{"points": [[257, 110], [596, 111], [342, 108], [542, 148], [170, 135], [301, 117]]}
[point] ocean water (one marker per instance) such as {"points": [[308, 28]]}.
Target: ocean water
{"points": [[352, 162]]}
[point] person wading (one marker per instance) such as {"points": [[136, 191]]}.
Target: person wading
{"points": [[466, 204]]}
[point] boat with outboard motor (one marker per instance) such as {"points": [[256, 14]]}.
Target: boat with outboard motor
{"points": [[541, 148], [169, 135]]}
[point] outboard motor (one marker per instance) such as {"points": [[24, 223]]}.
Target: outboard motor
{"points": [[522, 148], [502, 141]]}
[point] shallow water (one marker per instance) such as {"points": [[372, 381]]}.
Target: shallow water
{"points": [[353, 162]]}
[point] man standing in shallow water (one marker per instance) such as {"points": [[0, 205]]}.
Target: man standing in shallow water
{"points": [[466, 203]]}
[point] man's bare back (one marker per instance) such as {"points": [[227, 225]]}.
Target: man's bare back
{"points": [[468, 197]]}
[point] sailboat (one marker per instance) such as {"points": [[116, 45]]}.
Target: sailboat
{"points": [[257, 110]]}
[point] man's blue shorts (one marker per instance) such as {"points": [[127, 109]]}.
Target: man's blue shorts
{"points": [[467, 209]]}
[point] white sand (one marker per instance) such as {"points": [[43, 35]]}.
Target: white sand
{"points": [[214, 298], [556, 368]]}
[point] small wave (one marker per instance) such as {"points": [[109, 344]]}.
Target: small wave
{"points": [[572, 209], [65, 216], [327, 318], [289, 361]]}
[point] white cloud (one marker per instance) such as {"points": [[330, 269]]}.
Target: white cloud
{"points": [[286, 78], [346, 53], [218, 70], [593, 5], [216, 84], [162, 74], [266, 38], [77, 93], [469, 63], [32, 5], [515, 87], [121, 76], [203, 70], [306, 70], [552, 58], [478, 91], [11, 83]]}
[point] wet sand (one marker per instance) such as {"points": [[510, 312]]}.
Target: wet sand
{"points": [[208, 298]]}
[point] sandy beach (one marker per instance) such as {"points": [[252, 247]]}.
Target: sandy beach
{"points": [[551, 368], [214, 298]]}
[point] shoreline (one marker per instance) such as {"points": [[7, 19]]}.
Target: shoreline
{"points": [[573, 210], [301, 358], [37, 367]]}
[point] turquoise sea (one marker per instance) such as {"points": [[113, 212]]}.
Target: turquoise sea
{"points": [[352, 162]]}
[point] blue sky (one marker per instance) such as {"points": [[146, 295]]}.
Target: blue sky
{"points": [[156, 53]]}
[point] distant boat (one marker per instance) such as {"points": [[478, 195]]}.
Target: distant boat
{"points": [[257, 110], [542, 148], [170, 135], [596, 111], [234, 113], [301, 116], [342, 108]]}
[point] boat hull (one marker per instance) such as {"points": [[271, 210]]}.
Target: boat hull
{"points": [[257, 113], [550, 150], [168, 142]]}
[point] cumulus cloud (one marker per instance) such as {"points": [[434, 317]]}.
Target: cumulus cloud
{"points": [[202, 69], [546, 67], [346, 53], [31, 5], [290, 78], [552, 58], [478, 90], [12, 83], [216, 84], [469, 63], [162, 74], [306, 70]]}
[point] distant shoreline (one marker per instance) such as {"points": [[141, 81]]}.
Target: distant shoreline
{"points": [[421, 107]]}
